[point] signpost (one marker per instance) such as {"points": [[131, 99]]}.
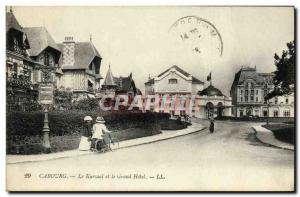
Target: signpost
{"points": [[46, 99]]}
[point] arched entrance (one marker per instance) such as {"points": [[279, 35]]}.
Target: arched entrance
{"points": [[248, 111], [209, 109], [220, 109]]}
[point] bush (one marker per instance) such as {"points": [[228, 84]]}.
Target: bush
{"points": [[63, 99], [173, 125], [283, 132], [89, 104]]}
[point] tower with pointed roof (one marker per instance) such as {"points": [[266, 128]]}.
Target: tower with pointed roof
{"points": [[109, 82], [119, 85]]}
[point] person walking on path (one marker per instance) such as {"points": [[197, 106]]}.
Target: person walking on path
{"points": [[212, 125], [85, 143]]}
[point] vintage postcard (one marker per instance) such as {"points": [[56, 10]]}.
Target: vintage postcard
{"points": [[178, 98]]}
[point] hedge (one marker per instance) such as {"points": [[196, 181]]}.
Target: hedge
{"points": [[173, 125], [69, 122], [24, 129]]}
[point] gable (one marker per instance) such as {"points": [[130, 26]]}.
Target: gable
{"points": [[173, 82]]}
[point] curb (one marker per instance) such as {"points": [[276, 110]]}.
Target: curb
{"points": [[269, 143], [167, 138], [90, 153]]}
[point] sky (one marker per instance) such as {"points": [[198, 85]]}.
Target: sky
{"points": [[139, 39]]}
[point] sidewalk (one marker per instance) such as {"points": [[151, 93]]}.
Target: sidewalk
{"points": [[12, 159], [267, 137]]}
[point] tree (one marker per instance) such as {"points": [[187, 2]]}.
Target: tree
{"points": [[284, 79], [285, 73]]}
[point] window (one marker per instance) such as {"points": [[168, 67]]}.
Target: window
{"points": [[241, 99], [241, 92], [241, 113], [251, 98], [172, 81], [256, 99], [16, 44], [275, 113], [286, 113], [276, 100], [256, 112], [256, 91], [287, 101], [15, 68], [246, 95]]}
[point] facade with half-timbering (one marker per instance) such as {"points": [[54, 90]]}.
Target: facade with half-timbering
{"points": [[44, 51], [19, 66], [80, 68]]}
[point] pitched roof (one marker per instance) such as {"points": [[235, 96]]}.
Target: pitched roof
{"points": [[109, 79], [85, 52], [11, 22], [250, 73], [39, 39], [124, 83], [194, 79], [177, 68]]}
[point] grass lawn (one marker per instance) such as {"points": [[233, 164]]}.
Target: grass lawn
{"points": [[66, 142], [283, 132]]}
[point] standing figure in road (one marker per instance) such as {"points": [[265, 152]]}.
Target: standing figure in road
{"points": [[85, 143], [99, 132], [212, 125]]}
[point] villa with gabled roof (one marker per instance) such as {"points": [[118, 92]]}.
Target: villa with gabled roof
{"points": [[80, 65]]}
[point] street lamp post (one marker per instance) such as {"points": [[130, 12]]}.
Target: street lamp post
{"points": [[46, 131], [46, 99]]}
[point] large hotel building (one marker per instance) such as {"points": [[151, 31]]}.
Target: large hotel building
{"points": [[248, 91]]}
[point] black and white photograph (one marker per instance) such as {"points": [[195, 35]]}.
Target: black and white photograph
{"points": [[150, 98]]}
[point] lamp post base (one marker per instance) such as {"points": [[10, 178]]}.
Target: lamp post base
{"points": [[46, 130]]}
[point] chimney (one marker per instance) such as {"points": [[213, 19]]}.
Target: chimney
{"points": [[69, 51]]}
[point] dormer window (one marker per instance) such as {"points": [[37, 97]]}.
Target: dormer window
{"points": [[172, 81]]}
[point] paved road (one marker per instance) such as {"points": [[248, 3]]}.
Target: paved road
{"points": [[229, 159]]}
